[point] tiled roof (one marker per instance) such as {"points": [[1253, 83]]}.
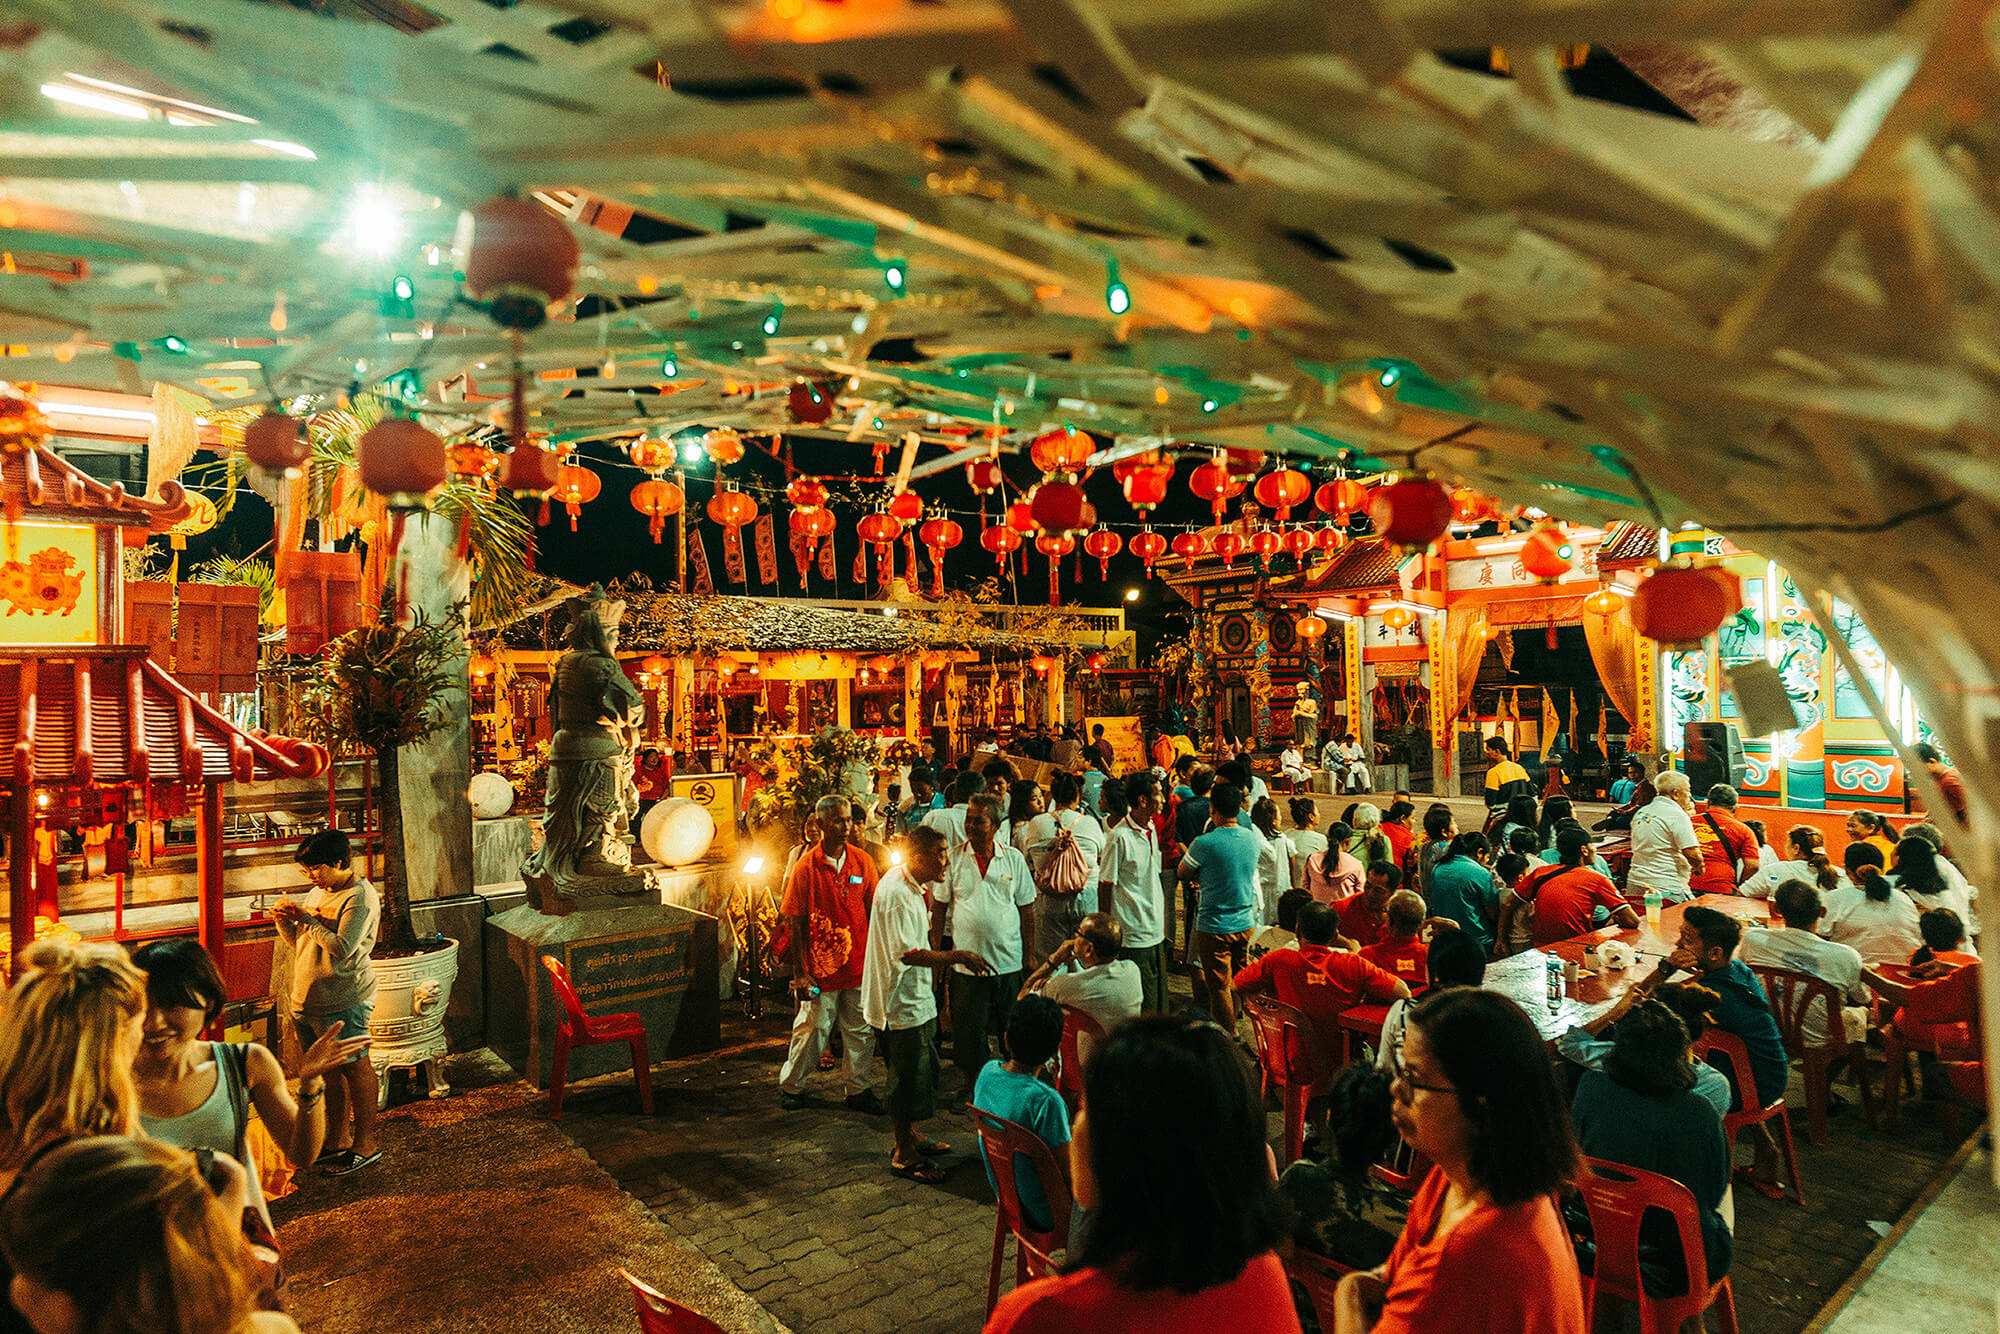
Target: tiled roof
{"points": [[1628, 545], [43, 484], [113, 715], [1361, 566]]}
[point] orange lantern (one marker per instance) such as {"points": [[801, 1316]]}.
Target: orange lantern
{"points": [[1310, 628], [655, 456], [1547, 555], [658, 500], [1469, 507], [1229, 546], [906, 507], [1001, 540], [1041, 663], [810, 404], [939, 536], [1396, 618], [722, 446], [731, 508], [1266, 542], [576, 486], [1148, 546], [806, 492], [1281, 490], [1103, 544], [1678, 606], [521, 261], [1341, 498], [1145, 485], [530, 470], [1019, 518], [1603, 602], [1054, 545], [1189, 546], [274, 443], [1330, 538], [1060, 507], [1298, 541], [1063, 450], [470, 461], [812, 523], [1410, 514], [1216, 484], [983, 476], [401, 461]]}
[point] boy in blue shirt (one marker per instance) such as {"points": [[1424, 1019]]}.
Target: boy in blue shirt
{"points": [[1223, 862], [1012, 1090]]}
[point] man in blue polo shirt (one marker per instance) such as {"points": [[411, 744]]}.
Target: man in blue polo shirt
{"points": [[1223, 862], [1707, 948]]}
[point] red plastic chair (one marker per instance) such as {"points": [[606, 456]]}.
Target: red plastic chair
{"points": [[1402, 1168], [1319, 1276], [1069, 1067], [1000, 1141], [578, 1029], [1732, 1049], [1952, 1039], [1294, 1059], [1792, 996], [1617, 1197], [661, 1314]]}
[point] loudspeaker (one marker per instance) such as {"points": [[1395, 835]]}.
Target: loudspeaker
{"points": [[1714, 755]]}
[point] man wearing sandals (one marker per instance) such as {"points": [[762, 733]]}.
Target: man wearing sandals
{"points": [[899, 1002]]}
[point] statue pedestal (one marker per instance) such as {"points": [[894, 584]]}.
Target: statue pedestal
{"points": [[609, 891], [650, 957]]}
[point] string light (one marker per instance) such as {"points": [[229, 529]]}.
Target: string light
{"points": [[278, 320], [1117, 296], [771, 320], [669, 368], [895, 274]]}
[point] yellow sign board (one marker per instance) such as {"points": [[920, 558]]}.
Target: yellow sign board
{"points": [[717, 794], [1127, 738]]}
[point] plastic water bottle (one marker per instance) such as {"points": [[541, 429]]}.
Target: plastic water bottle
{"points": [[1654, 901], [1555, 983]]}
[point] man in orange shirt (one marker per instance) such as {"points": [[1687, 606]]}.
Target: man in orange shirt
{"points": [[827, 898], [1319, 980], [1728, 848], [1402, 952]]}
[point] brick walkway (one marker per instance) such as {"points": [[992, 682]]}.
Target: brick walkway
{"points": [[798, 1208]]}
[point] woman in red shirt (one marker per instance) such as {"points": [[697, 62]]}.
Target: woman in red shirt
{"points": [[1180, 1242], [1483, 1251]]}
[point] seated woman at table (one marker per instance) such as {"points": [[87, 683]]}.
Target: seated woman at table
{"points": [[1453, 959], [1484, 1248], [1870, 913], [1805, 859], [1919, 871], [1587, 1046], [1566, 899], [1642, 1111], [1944, 939]]}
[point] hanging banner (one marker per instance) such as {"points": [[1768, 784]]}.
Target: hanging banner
{"points": [[827, 569], [732, 554], [766, 536], [699, 579]]}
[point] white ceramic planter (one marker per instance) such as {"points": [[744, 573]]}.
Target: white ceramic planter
{"points": [[411, 996]]}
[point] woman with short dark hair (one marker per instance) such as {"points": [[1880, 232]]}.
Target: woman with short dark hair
{"points": [[1178, 1240], [1484, 1248]]}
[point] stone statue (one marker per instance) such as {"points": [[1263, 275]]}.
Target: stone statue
{"points": [[597, 712]]}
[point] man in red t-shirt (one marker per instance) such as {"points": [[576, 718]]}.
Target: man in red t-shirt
{"points": [[1319, 980], [1401, 952], [1728, 848], [826, 903], [1364, 917], [1564, 897]]}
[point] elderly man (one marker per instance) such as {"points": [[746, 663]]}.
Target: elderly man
{"points": [[1728, 848], [1666, 855], [986, 904], [1087, 973], [827, 897]]}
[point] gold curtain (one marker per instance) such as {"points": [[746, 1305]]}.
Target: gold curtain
{"points": [[1465, 645], [1614, 650]]}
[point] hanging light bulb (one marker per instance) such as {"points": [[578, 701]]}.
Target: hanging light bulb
{"points": [[278, 320], [771, 320], [1117, 296], [669, 368], [895, 274]]}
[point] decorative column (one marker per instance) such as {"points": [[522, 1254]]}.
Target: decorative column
{"points": [[437, 818]]}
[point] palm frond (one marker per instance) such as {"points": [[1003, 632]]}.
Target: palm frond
{"points": [[499, 539]]}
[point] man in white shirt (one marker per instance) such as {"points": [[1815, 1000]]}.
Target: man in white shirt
{"points": [[1086, 973], [1794, 946], [986, 905], [897, 999], [1057, 915], [1292, 764], [1129, 887], [1666, 855], [950, 820]]}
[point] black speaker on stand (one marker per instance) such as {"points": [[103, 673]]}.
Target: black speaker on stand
{"points": [[1714, 755]]}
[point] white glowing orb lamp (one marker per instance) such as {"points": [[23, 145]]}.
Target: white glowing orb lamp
{"points": [[491, 796], [677, 832]]}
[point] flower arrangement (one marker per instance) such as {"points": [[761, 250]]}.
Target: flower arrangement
{"points": [[822, 765]]}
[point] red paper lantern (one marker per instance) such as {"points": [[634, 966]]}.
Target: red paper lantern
{"points": [[1103, 544], [1214, 483], [1341, 498], [1266, 542], [1678, 606], [878, 528], [1053, 545], [983, 476], [1148, 546], [806, 492], [401, 461], [576, 486], [732, 509], [655, 456], [1310, 628], [1147, 487], [1547, 555], [1469, 507], [1398, 617], [530, 470], [275, 443], [658, 500], [1096, 662], [812, 523], [522, 260], [1063, 450], [470, 461], [1281, 490], [1060, 507], [940, 536], [1229, 546], [1019, 519], [1041, 664], [1001, 541], [810, 403], [722, 445], [906, 507], [1330, 538], [1299, 541], [1603, 602], [1410, 514], [1189, 546]]}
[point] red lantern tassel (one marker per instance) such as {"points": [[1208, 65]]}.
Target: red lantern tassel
{"points": [[465, 533], [1055, 572]]}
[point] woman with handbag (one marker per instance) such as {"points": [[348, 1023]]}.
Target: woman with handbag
{"points": [[197, 1094]]}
